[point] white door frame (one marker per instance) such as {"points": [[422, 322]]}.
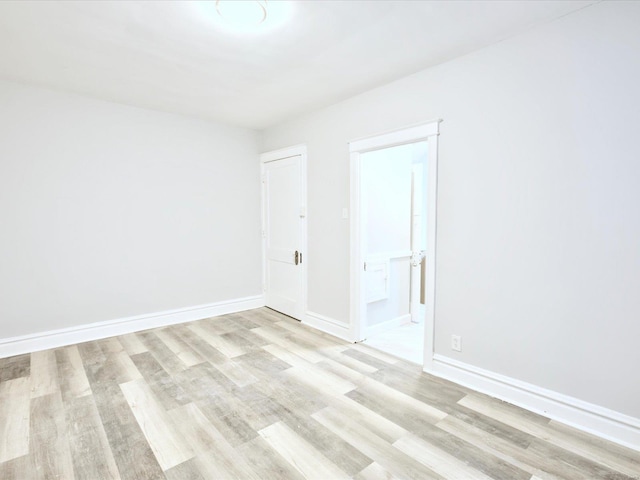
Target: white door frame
{"points": [[424, 132], [281, 154]]}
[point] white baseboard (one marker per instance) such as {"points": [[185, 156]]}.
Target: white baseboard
{"points": [[387, 325], [95, 331], [328, 325], [594, 419]]}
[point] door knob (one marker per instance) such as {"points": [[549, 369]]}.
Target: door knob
{"points": [[296, 257]]}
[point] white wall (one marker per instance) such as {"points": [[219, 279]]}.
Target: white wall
{"points": [[109, 211], [538, 260], [385, 182]]}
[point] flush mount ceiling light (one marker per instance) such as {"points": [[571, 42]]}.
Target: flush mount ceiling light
{"points": [[244, 17], [242, 13]]}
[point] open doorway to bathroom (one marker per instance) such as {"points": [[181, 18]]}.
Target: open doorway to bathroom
{"points": [[393, 184], [392, 235]]}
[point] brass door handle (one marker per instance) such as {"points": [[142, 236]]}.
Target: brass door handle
{"points": [[296, 257]]}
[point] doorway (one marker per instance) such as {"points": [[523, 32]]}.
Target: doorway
{"points": [[393, 194], [284, 230]]}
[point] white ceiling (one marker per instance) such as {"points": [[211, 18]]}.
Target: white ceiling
{"points": [[168, 56]]}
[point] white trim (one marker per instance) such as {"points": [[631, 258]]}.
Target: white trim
{"points": [[594, 419], [390, 255], [281, 154], [415, 133], [96, 331], [355, 270], [409, 134], [430, 254], [387, 324], [327, 325]]}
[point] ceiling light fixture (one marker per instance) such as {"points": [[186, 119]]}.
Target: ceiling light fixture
{"points": [[244, 17], [242, 13]]}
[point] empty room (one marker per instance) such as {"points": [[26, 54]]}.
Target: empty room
{"points": [[261, 239]]}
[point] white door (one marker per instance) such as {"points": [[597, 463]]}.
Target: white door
{"points": [[418, 234], [283, 233]]}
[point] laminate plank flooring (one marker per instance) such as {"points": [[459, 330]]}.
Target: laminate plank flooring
{"points": [[256, 395]]}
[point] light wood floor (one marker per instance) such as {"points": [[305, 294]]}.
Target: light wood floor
{"points": [[255, 395]]}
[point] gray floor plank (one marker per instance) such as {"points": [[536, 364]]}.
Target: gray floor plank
{"points": [[90, 450], [49, 443]]}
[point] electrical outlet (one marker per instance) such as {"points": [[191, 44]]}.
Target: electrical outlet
{"points": [[456, 343]]}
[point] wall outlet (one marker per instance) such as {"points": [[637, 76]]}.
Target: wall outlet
{"points": [[456, 343]]}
